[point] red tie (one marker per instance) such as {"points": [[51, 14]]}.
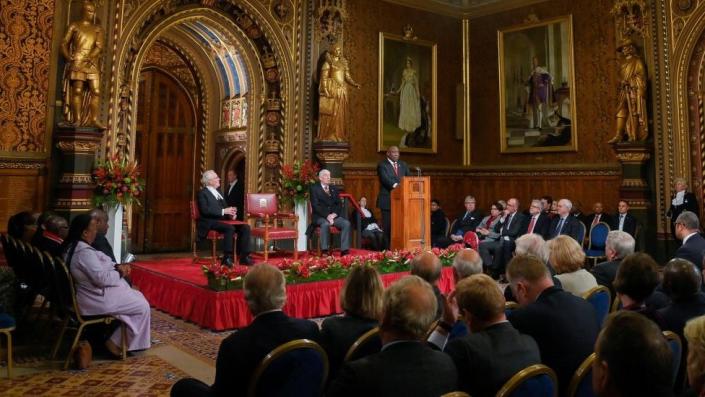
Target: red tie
{"points": [[396, 169], [532, 224]]}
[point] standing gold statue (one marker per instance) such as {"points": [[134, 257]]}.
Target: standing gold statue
{"points": [[333, 96], [632, 117], [82, 46]]}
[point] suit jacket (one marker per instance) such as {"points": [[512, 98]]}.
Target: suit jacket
{"points": [[629, 224], [690, 203], [468, 223], [323, 204], [236, 198], [487, 359], [50, 244], [338, 334], [565, 328], [512, 230], [102, 244], [604, 217], [692, 250], [211, 211], [242, 351], [405, 368], [674, 316], [605, 272], [571, 227], [541, 227], [387, 179]]}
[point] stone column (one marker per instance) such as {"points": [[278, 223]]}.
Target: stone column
{"points": [[331, 156], [635, 158]]}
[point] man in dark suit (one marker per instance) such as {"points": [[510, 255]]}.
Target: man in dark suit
{"points": [[234, 193], [563, 325], [687, 226], [624, 221], [390, 171], [565, 224], [213, 209], [598, 215], [537, 222], [467, 222], [242, 351], [682, 200], [493, 351], [618, 245], [56, 228], [327, 210], [406, 366], [494, 253]]}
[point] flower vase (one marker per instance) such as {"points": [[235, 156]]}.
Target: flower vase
{"points": [[301, 210], [114, 234]]}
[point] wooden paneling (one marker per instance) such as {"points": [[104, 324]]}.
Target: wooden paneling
{"points": [[22, 190]]}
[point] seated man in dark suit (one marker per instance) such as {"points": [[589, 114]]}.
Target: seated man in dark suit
{"points": [[406, 366], [467, 222], [55, 229], [538, 222], [618, 245], [633, 358], [213, 209], [493, 351], [563, 325], [36, 238], [597, 216], [687, 230], [427, 266], [624, 221], [242, 351], [564, 223], [327, 209], [494, 253]]}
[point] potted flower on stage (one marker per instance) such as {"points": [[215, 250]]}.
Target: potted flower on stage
{"points": [[296, 182]]}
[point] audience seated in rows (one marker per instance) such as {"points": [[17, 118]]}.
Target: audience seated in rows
{"points": [[494, 253], [242, 351], [532, 244], [101, 288], [468, 222], [633, 358], [564, 224], [694, 333], [466, 263], [406, 366], [618, 245], [567, 258], [427, 266], [361, 300], [563, 325], [636, 280], [687, 227], [52, 234]]}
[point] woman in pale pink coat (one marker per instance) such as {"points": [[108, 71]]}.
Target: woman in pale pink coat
{"points": [[101, 288]]}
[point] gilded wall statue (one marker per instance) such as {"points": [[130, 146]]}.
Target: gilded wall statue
{"points": [[333, 96], [82, 46], [632, 117]]}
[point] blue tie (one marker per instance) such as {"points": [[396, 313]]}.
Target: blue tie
{"points": [[560, 226]]}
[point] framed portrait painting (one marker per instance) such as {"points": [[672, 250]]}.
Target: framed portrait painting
{"points": [[537, 87], [407, 94]]}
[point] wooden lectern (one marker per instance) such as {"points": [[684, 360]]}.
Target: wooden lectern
{"points": [[411, 213]]}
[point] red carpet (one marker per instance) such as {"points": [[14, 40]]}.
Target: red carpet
{"points": [[181, 289]]}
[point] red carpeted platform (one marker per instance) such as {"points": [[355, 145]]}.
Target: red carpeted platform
{"points": [[180, 288]]}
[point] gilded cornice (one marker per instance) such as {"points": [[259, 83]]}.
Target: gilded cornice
{"points": [[473, 9], [22, 164]]}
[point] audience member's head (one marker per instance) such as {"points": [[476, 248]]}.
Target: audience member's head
{"points": [[633, 358], [564, 207], [512, 206], [565, 254], [535, 207], [470, 203], [18, 223], [695, 336], [686, 223], [362, 292], [466, 263], [622, 207], [101, 219], [496, 209], [546, 203], [43, 217], [232, 176], [210, 178], [597, 208], [58, 225], [681, 184], [408, 310], [531, 244], [502, 204], [83, 228], [435, 205], [618, 245], [681, 279], [427, 266], [480, 301], [637, 276], [528, 276], [265, 288]]}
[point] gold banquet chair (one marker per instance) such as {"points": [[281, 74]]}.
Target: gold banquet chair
{"points": [[368, 343], [535, 380], [581, 382]]}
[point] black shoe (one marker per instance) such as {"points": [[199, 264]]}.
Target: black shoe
{"points": [[246, 261], [344, 252], [227, 261]]}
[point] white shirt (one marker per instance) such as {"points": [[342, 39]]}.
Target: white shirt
{"points": [[678, 200], [621, 221], [217, 196]]}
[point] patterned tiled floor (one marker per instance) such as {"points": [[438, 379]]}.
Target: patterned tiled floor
{"points": [[200, 343]]}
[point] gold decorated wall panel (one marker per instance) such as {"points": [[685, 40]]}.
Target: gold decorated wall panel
{"points": [[23, 189]]}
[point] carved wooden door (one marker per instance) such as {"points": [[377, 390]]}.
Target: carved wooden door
{"points": [[165, 146]]}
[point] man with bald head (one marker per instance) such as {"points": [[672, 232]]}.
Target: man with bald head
{"points": [[427, 266], [564, 223], [326, 210], [598, 215], [406, 366], [390, 171]]}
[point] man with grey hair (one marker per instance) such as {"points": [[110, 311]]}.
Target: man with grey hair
{"points": [[538, 221], [242, 351], [466, 263], [427, 266], [408, 312], [531, 244], [468, 222], [213, 210], [566, 224], [687, 229], [326, 208], [618, 245]]}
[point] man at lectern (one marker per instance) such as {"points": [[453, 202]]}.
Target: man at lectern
{"points": [[390, 171]]}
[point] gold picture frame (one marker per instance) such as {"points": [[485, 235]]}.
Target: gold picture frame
{"points": [[407, 94], [537, 87]]}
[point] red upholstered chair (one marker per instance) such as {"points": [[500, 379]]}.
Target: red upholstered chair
{"points": [[317, 231], [264, 206], [471, 239], [213, 235]]}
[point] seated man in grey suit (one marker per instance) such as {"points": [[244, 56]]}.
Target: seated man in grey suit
{"points": [[406, 366], [327, 207]]}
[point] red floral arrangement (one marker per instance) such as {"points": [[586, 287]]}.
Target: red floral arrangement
{"points": [[297, 179], [117, 182]]}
